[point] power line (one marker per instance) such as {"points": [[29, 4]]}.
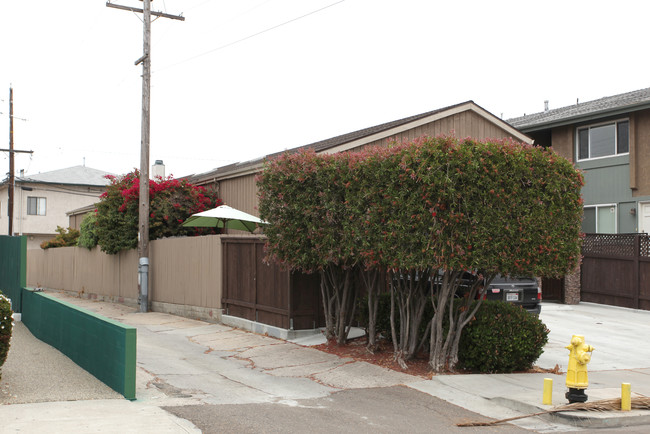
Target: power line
{"points": [[229, 44]]}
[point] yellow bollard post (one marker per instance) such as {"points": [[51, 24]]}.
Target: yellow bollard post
{"points": [[548, 391], [626, 397]]}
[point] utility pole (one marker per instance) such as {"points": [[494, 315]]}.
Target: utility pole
{"points": [[12, 179], [143, 214]]}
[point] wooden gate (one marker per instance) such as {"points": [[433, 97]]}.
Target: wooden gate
{"points": [[616, 270], [552, 289], [265, 293]]}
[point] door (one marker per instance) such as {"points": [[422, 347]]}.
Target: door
{"points": [[552, 289], [644, 217]]}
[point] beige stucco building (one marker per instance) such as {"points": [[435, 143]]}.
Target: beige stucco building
{"points": [[42, 201]]}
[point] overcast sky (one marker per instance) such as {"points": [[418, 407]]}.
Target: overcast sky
{"points": [[240, 79]]}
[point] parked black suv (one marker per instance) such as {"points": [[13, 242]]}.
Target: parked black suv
{"points": [[522, 291]]}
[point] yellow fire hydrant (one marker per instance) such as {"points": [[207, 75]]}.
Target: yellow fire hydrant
{"points": [[576, 375]]}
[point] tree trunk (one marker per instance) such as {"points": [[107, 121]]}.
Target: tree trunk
{"points": [[408, 294], [370, 279], [339, 302], [444, 349]]}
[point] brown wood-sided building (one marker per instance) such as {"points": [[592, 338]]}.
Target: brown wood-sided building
{"points": [[236, 186]]}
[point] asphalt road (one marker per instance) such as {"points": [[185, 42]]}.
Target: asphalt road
{"points": [[376, 410]]}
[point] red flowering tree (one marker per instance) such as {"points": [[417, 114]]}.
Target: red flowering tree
{"points": [[171, 202], [437, 215]]}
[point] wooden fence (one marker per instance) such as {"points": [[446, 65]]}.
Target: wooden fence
{"points": [[265, 293], [616, 270], [192, 276], [183, 271]]}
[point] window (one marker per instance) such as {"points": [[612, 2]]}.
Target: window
{"points": [[603, 140], [35, 205], [599, 219]]}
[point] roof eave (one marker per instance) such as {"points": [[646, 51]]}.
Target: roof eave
{"points": [[32, 181], [585, 117]]}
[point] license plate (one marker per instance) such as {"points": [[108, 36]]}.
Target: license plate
{"points": [[512, 296]]}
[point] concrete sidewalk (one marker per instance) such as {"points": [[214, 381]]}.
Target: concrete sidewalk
{"points": [[181, 361], [619, 357]]}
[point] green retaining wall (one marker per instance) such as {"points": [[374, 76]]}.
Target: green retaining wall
{"points": [[13, 268], [103, 347]]}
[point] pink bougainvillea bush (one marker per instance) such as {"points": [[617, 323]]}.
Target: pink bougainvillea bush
{"points": [[433, 214], [171, 201]]}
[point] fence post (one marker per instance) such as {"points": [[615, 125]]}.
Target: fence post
{"points": [[637, 265]]}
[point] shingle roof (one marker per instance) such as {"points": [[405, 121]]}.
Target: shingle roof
{"points": [[77, 175], [634, 100]]}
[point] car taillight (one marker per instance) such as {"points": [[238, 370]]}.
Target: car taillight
{"points": [[539, 294]]}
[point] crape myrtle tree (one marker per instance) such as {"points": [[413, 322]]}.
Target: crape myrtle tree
{"points": [[440, 216], [171, 202]]}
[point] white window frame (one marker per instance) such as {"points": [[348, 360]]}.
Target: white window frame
{"points": [[615, 122], [605, 205], [39, 212]]}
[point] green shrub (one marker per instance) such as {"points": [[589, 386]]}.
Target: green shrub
{"points": [[501, 338], [88, 236], [65, 238], [6, 327]]}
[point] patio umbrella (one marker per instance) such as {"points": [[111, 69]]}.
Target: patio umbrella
{"points": [[224, 217]]}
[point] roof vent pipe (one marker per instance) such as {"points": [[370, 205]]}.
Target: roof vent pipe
{"points": [[545, 105]]}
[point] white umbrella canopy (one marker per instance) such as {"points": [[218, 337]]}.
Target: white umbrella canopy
{"points": [[224, 217]]}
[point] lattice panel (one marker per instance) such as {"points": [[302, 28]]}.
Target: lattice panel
{"points": [[644, 246], [609, 244]]}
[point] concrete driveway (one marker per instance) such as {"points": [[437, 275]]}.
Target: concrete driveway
{"points": [[619, 336]]}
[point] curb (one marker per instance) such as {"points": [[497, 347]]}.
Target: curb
{"points": [[582, 419]]}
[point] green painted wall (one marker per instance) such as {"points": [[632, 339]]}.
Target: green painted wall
{"points": [[13, 268], [103, 347], [606, 180]]}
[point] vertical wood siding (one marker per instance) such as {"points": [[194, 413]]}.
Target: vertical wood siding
{"points": [[461, 125], [240, 193]]}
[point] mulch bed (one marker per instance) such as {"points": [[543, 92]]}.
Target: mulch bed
{"points": [[356, 349], [419, 366]]}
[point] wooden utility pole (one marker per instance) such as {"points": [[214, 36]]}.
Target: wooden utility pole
{"points": [[12, 180], [143, 214], [12, 151]]}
